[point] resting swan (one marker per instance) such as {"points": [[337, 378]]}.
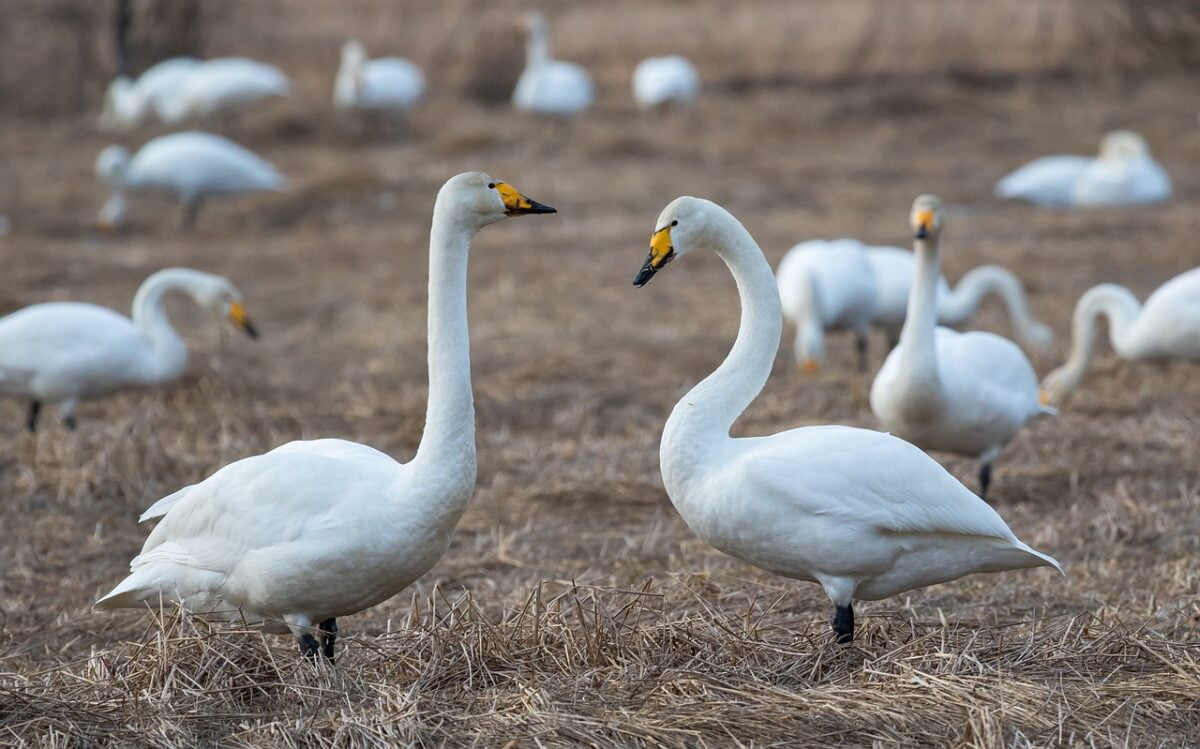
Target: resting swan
{"points": [[128, 103], [826, 285], [549, 86], [294, 538], [385, 84], [221, 86], [1124, 173], [64, 352], [665, 80], [864, 514], [194, 166], [894, 269], [1167, 326], [966, 393]]}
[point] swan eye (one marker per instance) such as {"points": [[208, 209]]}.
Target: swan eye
{"points": [[491, 185], [675, 222]]}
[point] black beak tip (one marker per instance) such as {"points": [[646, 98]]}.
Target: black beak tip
{"points": [[536, 207], [644, 275], [922, 233], [250, 330]]}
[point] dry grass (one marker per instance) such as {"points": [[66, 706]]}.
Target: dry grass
{"points": [[574, 607]]}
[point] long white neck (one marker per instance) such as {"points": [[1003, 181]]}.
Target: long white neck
{"points": [[537, 44], [960, 305], [1120, 306], [448, 443], [810, 326], [168, 353], [918, 349], [703, 418]]}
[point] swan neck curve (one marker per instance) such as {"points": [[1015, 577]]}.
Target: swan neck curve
{"points": [[168, 353], [964, 300], [449, 437], [703, 418], [1121, 308], [918, 349], [537, 45]]}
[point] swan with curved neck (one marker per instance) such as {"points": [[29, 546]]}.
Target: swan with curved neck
{"points": [[314, 530], [1166, 327], [385, 84], [864, 514], [548, 86], [128, 103], [63, 352], [966, 393]]}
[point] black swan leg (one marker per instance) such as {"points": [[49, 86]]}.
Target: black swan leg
{"points": [[329, 631], [35, 410], [985, 480], [843, 624]]}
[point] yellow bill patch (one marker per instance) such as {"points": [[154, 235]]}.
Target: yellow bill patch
{"points": [[513, 200], [237, 313], [1044, 397], [810, 366], [661, 247], [924, 220]]}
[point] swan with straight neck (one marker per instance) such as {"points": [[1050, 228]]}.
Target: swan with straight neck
{"points": [[864, 514], [314, 530]]}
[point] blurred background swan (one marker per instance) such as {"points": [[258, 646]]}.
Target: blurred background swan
{"points": [[389, 85], [548, 86]]}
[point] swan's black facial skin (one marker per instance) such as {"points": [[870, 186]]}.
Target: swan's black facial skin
{"points": [[662, 251]]}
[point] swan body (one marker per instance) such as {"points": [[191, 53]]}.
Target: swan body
{"points": [[390, 84], [826, 285], [1167, 326], [128, 103], [894, 269], [1124, 173], [967, 393], [191, 165], [223, 85], [665, 80], [548, 86], [864, 514], [63, 352], [296, 537]]}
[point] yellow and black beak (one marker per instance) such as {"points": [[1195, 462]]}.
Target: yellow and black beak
{"points": [[922, 224], [516, 204], [661, 253], [237, 314]]}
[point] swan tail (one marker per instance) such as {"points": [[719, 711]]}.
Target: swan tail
{"points": [[164, 505], [1045, 560], [129, 593]]}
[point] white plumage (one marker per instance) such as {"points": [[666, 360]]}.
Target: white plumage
{"points": [[223, 85], [966, 393], [388, 84], [192, 166], [1167, 326], [1124, 173], [862, 513], [128, 103], [315, 530], [548, 86], [60, 353], [665, 80]]}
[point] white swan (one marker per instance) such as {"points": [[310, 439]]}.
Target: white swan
{"points": [[192, 166], [826, 285], [388, 84], [128, 103], [665, 80], [1167, 326], [1124, 173], [549, 86], [863, 513], [63, 352], [314, 530], [223, 85], [966, 393], [894, 270]]}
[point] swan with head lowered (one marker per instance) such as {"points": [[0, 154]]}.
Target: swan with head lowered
{"points": [[129, 103], [1124, 173], [222, 86], [661, 81], [864, 514], [192, 166], [965, 393], [60, 353], [548, 86], [315, 530], [1167, 326]]}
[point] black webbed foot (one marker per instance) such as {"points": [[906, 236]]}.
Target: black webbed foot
{"points": [[308, 646]]}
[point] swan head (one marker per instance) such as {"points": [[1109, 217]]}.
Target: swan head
{"points": [[488, 199], [927, 217], [533, 23], [1057, 384], [219, 296], [122, 107], [682, 227], [353, 52], [1123, 145], [110, 169]]}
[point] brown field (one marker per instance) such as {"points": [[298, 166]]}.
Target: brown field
{"points": [[574, 606]]}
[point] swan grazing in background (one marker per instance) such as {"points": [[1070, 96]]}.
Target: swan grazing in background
{"points": [[63, 352], [862, 513], [385, 84], [826, 285], [665, 80], [192, 166], [965, 393], [1124, 173], [128, 103], [1167, 326], [223, 85], [294, 538], [549, 86], [894, 270]]}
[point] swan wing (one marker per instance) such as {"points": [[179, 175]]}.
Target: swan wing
{"points": [[1048, 181], [845, 280], [390, 82], [201, 163], [989, 372], [1118, 182]]}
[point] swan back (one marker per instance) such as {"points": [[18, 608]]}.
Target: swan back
{"points": [[194, 164], [1048, 181], [223, 85], [386, 83], [663, 80], [548, 86]]}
